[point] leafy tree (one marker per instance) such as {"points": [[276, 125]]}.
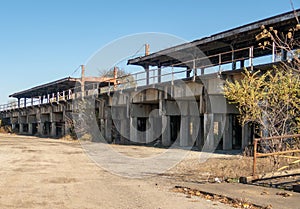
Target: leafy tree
{"points": [[270, 99]]}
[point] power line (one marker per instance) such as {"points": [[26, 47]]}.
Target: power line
{"points": [[75, 71], [138, 50]]}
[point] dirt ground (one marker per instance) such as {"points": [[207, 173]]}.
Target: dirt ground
{"points": [[48, 173], [227, 169]]}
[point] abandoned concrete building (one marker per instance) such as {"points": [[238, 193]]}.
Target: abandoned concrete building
{"points": [[178, 95]]}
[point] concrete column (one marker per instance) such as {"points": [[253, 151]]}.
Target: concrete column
{"points": [[66, 129], [200, 137], [184, 131], [125, 132], [108, 128], [133, 129], [41, 128], [208, 132], [150, 130], [13, 126], [102, 126], [21, 128], [30, 128], [194, 126], [227, 135], [166, 134], [53, 129]]}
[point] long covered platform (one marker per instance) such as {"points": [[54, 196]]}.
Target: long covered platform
{"points": [[177, 99]]}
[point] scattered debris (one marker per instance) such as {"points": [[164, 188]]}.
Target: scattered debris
{"points": [[217, 180], [281, 180], [237, 203], [284, 194], [265, 193]]}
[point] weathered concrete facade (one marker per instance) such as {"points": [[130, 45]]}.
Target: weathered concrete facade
{"points": [[181, 113]]}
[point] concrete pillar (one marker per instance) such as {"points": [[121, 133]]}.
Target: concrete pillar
{"points": [[66, 129], [133, 129], [21, 128], [200, 137], [108, 128], [227, 135], [209, 132], [184, 131], [41, 128], [194, 126], [30, 128], [166, 134], [13, 126], [102, 127], [124, 132], [53, 129]]}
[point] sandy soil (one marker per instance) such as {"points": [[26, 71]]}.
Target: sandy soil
{"points": [[47, 173]]}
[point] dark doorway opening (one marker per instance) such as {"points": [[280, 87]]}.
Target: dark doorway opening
{"points": [[175, 122], [25, 128], [236, 133], [34, 128]]}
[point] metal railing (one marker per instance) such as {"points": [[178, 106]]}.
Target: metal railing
{"points": [[155, 76]]}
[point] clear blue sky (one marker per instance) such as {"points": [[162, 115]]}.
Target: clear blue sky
{"points": [[44, 40]]}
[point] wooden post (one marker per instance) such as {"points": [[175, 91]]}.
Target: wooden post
{"points": [[147, 49], [82, 80], [254, 156]]}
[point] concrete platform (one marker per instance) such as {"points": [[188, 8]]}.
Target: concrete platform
{"points": [[257, 195]]}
